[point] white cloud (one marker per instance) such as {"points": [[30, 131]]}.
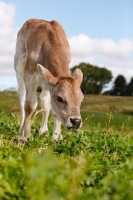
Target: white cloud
{"points": [[115, 56], [7, 38]]}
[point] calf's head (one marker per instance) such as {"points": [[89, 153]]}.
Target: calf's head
{"points": [[66, 96]]}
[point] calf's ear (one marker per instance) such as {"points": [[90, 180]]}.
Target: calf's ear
{"points": [[78, 75], [46, 75]]}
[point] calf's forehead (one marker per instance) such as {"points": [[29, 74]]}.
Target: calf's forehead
{"points": [[68, 88]]}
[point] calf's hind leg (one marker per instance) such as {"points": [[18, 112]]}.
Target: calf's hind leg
{"points": [[21, 98]]}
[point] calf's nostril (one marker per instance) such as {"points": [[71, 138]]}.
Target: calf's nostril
{"points": [[75, 121]]}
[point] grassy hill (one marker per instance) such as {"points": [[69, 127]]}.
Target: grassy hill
{"points": [[101, 109], [96, 110]]}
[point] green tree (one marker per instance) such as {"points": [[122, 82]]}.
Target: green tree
{"points": [[119, 87], [129, 88], [94, 78]]}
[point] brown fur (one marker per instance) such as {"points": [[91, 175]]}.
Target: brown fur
{"points": [[48, 42]]}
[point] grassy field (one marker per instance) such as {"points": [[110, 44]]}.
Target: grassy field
{"points": [[95, 163], [96, 110]]}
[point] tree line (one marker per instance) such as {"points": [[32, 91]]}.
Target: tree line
{"points": [[95, 79], [121, 87]]}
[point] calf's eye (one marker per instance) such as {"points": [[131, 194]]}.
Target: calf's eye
{"points": [[59, 99]]}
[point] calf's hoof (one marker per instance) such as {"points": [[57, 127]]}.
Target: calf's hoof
{"points": [[55, 136], [22, 138]]}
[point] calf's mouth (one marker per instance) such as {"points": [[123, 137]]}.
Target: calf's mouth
{"points": [[75, 124]]}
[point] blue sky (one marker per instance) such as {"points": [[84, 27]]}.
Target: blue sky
{"points": [[99, 31], [96, 18]]}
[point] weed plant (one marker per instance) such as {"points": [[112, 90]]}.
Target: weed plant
{"points": [[95, 163]]}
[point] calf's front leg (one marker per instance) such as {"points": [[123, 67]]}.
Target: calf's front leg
{"points": [[45, 105], [57, 129], [29, 107]]}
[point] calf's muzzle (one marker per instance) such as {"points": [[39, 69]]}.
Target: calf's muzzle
{"points": [[75, 122]]}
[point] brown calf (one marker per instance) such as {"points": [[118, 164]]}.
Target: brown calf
{"points": [[42, 59]]}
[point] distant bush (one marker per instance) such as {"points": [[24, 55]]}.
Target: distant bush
{"points": [[127, 112], [106, 92]]}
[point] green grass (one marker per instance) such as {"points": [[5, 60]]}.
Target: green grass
{"points": [[9, 102], [95, 109], [95, 163], [99, 103], [113, 120]]}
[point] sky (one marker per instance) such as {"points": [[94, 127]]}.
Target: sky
{"points": [[100, 32]]}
